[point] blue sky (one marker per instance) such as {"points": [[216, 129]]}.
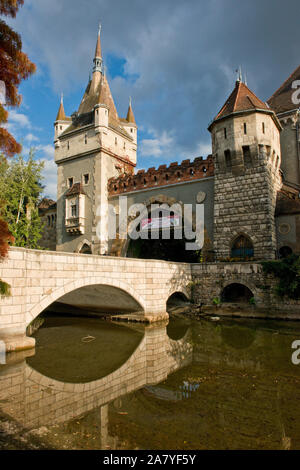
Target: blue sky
{"points": [[177, 59]]}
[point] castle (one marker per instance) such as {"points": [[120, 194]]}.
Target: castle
{"points": [[249, 185]]}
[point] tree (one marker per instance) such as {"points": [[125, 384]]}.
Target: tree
{"points": [[20, 182], [14, 67]]}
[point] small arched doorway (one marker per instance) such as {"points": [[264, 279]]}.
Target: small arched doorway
{"points": [[85, 249], [285, 251], [242, 248], [236, 292]]}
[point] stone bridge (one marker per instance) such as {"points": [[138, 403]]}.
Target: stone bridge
{"points": [[40, 278], [118, 285]]}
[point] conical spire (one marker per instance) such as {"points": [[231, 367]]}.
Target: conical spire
{"points": [[61, 112], [130, 115], [98, 54]]}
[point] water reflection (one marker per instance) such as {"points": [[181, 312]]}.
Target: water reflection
{"points": [[222, 385]]}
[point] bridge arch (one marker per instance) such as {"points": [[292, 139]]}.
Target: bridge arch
{"points": [[55, 295]]}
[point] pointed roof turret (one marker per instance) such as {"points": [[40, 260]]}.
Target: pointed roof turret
{"points": [[130, 116], [61, 116], [242, 99]]}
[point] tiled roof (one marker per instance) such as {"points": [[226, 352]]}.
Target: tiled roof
{"points": [[241, 99], [287, 202], [130, 116], [61, 113], [75, 189], [47, 204], [281, 101]]}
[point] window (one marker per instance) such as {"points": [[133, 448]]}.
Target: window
{"points": [[116, 141], [242, 248], [73, 210], [68, 145], [60, 127], [85, 139], [245, 128], [145, 182], [124, 146], [178, 174], [167, 177], [86, 178], [70, 182], [247, 156], [225, 133], [263, 127], [155, 179], [131, 130], [191, 172], [227, 158]]}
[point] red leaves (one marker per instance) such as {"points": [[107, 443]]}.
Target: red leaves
{"points": [[10, 7], [5, 238]]}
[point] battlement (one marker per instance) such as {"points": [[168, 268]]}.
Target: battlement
{"points": [[162, 176]]}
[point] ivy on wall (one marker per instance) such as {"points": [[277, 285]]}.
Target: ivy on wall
{"points": [[287, 271]]}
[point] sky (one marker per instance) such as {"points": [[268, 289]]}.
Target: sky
{"points": [[177, 59]]}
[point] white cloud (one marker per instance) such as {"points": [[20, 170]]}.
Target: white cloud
{"points": [[159, 146], [47, 151], [31, 138], [50, 178], [19, 119]]}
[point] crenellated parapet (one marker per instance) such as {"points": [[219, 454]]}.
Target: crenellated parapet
{"points": [[162, 176]]}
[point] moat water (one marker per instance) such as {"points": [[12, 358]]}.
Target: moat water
{"points": [[91, 384]]}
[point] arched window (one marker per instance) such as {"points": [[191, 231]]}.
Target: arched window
{"points": [[285, 251], [242, 248]]}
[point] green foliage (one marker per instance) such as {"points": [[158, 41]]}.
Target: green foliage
{"points": [[287, 271], [21, 189], [252, 301], [4, 289], [216, 301]]}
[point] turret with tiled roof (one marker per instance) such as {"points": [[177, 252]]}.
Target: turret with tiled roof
{"points": [[241, 100], [130, 116], [246, 153], [61, 116]]}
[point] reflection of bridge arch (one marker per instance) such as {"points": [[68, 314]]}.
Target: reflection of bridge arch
{"points": [[79, 283], [42, 401]]}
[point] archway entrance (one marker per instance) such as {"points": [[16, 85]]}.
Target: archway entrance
{"points": [[162, 237], [285, 251], [236, 293]]}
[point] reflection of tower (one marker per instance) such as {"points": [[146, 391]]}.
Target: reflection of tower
{"points": [[104, 426], [246, 152]]}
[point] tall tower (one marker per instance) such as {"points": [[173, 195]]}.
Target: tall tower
{"points": [[246, 152], [91, 146]]}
